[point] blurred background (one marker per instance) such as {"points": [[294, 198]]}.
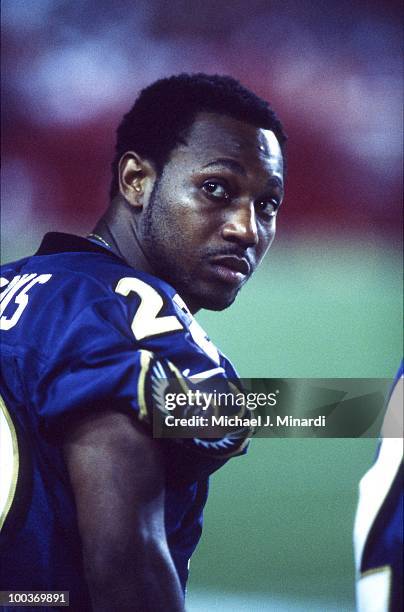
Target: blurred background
{"points": [[327, 301]]}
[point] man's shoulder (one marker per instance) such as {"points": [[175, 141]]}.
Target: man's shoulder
{"points": [[71, 280], [78, 266], [79, 260]]}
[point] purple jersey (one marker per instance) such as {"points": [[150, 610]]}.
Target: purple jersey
{"points": [[76, 320]]}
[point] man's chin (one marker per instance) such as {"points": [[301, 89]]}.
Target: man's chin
{"points": [[216, 301], [207, 296]]}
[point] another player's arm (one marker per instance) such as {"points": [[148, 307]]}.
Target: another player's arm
{"points": [[117, 477]]}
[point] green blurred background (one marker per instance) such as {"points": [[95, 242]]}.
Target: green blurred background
{"points": [[278, 525]]}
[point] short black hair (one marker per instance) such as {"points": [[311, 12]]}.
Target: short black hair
{"points": [[165, 110]]}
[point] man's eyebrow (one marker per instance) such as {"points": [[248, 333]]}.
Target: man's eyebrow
{"points": [[235, 166], [231, 164], [276, 182]]}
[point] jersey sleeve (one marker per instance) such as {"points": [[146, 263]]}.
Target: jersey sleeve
{"points": [[95, 365]]}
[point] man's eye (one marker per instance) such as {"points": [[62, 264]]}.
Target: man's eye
{"points": [[215, 190], [268, 207]]}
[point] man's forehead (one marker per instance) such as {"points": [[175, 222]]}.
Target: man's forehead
{"points": [[214, 137], [212, 133], [268, 143]]}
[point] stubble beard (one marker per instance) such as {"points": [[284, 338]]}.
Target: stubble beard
{"points": [[161, 249], [159, 243]]}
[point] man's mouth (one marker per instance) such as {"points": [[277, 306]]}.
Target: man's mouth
{"points": [[230, 269]]}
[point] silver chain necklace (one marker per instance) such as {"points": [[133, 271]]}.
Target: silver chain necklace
{"points": [[100, 239]]}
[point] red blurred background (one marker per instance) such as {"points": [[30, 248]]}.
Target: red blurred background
{"points": [[332, 71]]}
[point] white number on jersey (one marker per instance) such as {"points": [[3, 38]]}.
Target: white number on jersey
{"points": [[199, 335], [17, 290], [146, 321], [9, 461]]}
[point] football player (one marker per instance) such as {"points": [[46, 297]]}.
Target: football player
{"points": [[378, 533], [92, 503]]}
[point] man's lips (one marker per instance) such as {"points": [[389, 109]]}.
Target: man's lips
{"points": [[230, 268], [233, 262]]}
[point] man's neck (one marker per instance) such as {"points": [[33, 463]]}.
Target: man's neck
{"points": [[117, 228]]}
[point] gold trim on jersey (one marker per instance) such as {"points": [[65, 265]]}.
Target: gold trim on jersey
{"points": [[179, 376], [145, 358], [16, 463], [376, 570]]}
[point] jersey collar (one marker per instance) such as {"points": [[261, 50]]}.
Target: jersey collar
{"points": [[57, 242]]}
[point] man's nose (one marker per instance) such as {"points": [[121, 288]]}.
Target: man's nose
{"points": [[241, 225]]}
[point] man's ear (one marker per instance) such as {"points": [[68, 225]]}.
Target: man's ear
{"points": [[136, 177]]}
